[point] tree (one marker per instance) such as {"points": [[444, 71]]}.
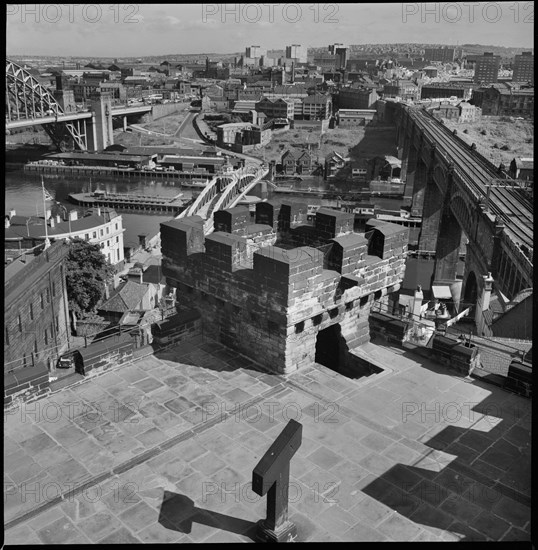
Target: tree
{"points": [[87, 272]]}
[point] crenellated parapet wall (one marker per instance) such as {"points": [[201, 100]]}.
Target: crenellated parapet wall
{"points": [[267, 289]]}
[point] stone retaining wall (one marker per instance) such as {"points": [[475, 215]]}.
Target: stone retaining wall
{"points": [[26, 384]]}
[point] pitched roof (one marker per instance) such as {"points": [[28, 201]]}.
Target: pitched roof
{"points": [[525, 164], [304, 154], [333, 155], [316, 98], [128, 297], [288, 154], [36, 227], [153, 274]]}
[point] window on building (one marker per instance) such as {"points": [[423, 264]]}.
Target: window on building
{"points": [[108, 243], [54, 289], [101, 232], [35, 346], [57, 323], [94, 235], [107, 230], [102, 245], [47, 293], [116, 227], [20, 323], [87, 236], [7, 337], [24, 361], [42, 301], [31, 312], [46, 337], [117, 239]]}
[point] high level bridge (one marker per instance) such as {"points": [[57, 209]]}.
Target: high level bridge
{"points": [[455, 189], [28, 103]]}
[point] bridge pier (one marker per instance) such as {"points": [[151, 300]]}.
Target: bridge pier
{"points": [[420, 179], [100, 133], [447, 252], [431, 212], [408, 174]]}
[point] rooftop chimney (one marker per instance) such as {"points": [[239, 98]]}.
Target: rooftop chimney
{"points": [[12, 213], [417, 303], [73, 215], [488, 286]]}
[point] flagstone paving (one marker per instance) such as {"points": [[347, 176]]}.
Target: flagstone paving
{"points": [[162, 450]]}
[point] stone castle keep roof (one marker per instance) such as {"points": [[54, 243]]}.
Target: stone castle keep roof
{"points": [[260, 284]]}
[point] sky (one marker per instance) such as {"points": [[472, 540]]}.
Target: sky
{"points": [[121, 30]]}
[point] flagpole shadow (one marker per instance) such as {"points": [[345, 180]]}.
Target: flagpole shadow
{"points": [[178, 513]]}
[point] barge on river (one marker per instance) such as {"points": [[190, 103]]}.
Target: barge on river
{"points": [[127, 202]]}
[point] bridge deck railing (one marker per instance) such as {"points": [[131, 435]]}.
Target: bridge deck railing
{"points": [[233, 192], [205, 196]]}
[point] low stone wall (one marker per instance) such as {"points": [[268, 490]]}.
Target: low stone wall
{"points": [[454, 354], [25, 385], [178, 328], [387, 328], [519, 378], [164, 110], [447, 350], [105, 354], [322, 125]]}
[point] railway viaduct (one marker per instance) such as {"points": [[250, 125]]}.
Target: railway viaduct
{"points": [[457, 190]]}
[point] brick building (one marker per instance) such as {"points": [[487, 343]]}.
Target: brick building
{"points": [[317, 107], [522, 169], [443, 90], [334, 162], [468, 112], [446, 110], [36, 319], [486, 68], [357, 98], [354, 117], [524, 68], [505, 100], [242, 136], [281, 292], [276, 108], [401, 88], [296, 162]]}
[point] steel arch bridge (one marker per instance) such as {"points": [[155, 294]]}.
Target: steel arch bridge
{"points": [[27, 99]]}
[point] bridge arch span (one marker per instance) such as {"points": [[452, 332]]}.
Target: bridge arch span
{"points": [[26, 98]]}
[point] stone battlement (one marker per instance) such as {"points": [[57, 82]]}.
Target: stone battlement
{"points": [[253, 279]]}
